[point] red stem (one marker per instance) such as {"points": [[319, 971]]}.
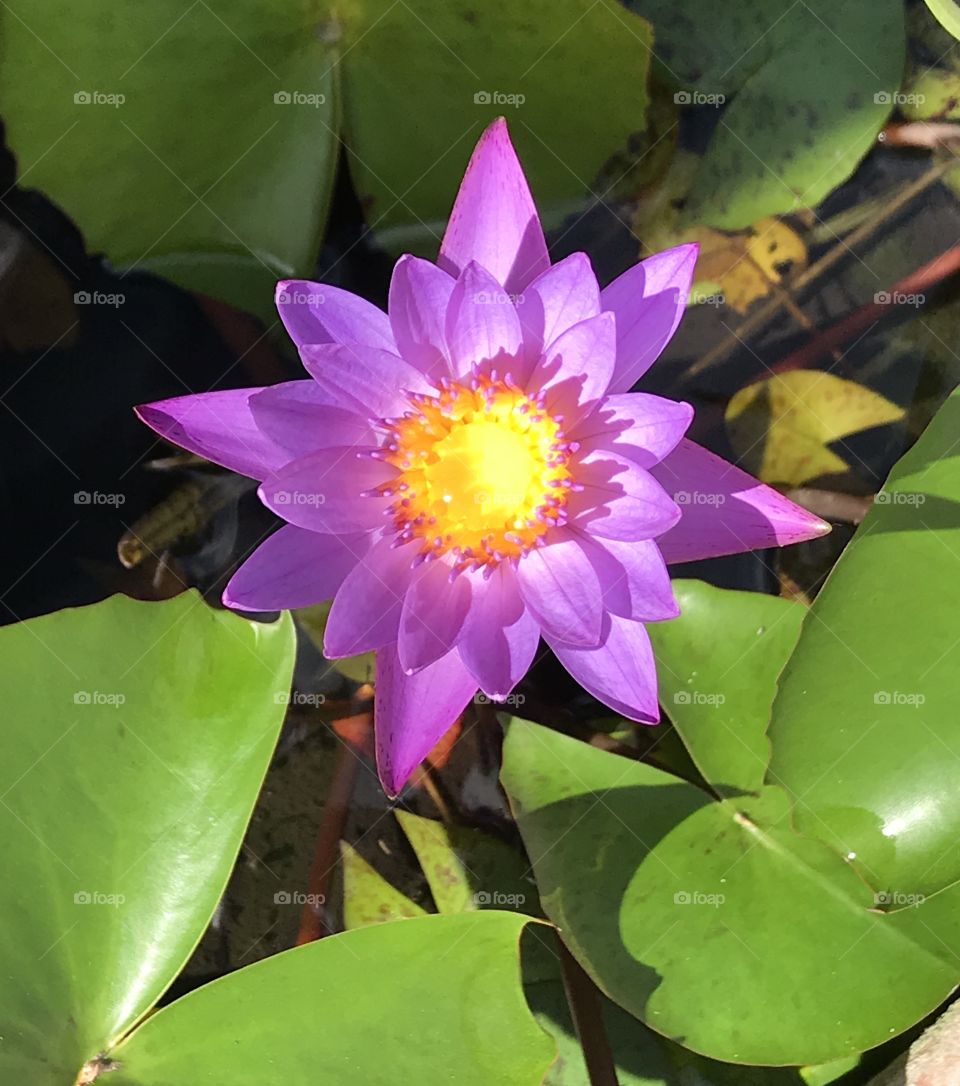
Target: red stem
{"points": [[917, 282], [315, 918]]}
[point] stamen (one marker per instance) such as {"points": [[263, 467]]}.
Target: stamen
{"points": [[483, 472]]}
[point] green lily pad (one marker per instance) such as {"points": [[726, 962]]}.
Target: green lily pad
{"points": [[681, 911], [643, 1057], [168, 131], [809, 87], [718, 665], [421, 85], [139, 735], [432, 1000], [865, 729]]}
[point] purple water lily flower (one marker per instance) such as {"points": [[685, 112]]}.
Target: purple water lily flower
{"points": [[470, 471]]}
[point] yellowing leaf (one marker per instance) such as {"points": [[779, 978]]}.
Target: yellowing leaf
{"points": [[733, 268], [367, 896], [781, 427], [747, 265]]}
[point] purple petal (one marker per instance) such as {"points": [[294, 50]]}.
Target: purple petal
{"points": [[364, 380], [366, 610], [620, 671], [560, 586], [619, 499], [294, 568], [412, 712], [318, 313], [433, 615], [323, 491], [482, 322], [561, 297], [633, 578], [500, 636], [648, 301], [218, 426], [494, 221], [576, 368], [297, 416], [642, 427], [725, 510], [419, 297]]}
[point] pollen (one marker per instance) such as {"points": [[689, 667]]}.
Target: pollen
{"points": [[484, 471]]}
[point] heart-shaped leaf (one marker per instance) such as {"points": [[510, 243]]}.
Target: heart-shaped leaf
{"points": [[139, 736], [680, 913], [431, 1000]]}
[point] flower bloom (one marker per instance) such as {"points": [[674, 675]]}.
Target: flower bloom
{"points": [[470, 471]]}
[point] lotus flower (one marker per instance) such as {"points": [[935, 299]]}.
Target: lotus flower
{"points": [[469, 472]]}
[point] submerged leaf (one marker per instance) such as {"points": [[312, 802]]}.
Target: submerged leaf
{"points": [[781, 427], [747, 265]]}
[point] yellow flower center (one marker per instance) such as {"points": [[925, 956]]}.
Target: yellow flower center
{"points": [[483, 471]]}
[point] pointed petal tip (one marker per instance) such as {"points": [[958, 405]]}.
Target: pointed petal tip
{"points": [[494, 219], [497, 129], [691, 249], [816, 526], [394, 777], [150, 413], [412, 713], [794, 523]]}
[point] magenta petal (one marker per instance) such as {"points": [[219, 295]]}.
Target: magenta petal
{"points": [[494, 221], [365, 380], [433, 614], [620, 672], [648, 301], [633, 577], [561, 297], [318, 313], [218, 426], [637, 425], [297, 415], [323, 492], [294, 568], [482, 323], [412, 712], [419, 296], [500, 636], [576, 368], [619, 499], [725, 510], [366, 610], [560, 586]]}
